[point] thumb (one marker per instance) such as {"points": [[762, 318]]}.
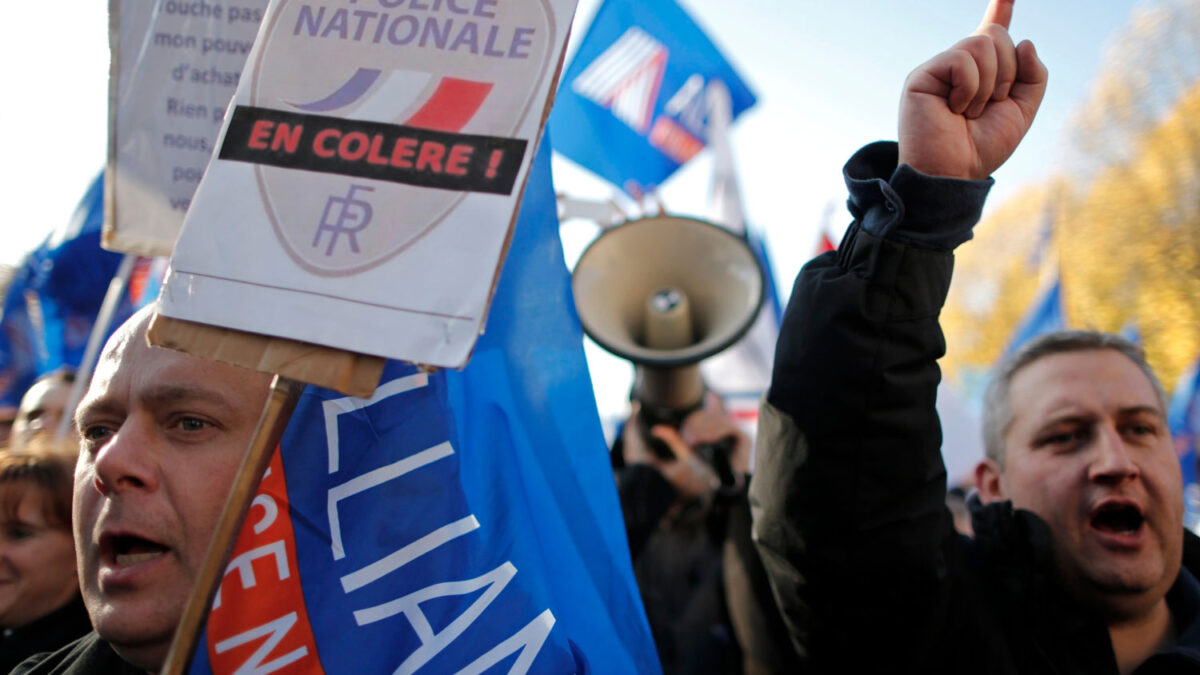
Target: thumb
{"points": [[674, 441], [1030, 85]]}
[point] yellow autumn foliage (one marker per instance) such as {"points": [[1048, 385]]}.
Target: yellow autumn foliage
{"points": [[1127, 244]]}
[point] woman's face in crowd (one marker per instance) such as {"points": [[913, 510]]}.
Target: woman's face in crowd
{"points": [[37, 563]]}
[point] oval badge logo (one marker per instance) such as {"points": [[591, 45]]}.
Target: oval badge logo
{"points": [[370, 121]]}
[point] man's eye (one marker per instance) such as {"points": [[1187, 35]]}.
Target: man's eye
{"points": [[95, 433], [17, 532], [193, 424], [1062, 439], [1141, 429]]}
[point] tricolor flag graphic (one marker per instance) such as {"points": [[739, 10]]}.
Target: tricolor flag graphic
{"points": [[439, 103]]}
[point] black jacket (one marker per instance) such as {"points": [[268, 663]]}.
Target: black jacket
{"points": [[63, 625], [706, 594], [850, 486], [89, 655]]}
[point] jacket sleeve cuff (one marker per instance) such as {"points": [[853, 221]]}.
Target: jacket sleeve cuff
{"points": [[901, 204]]}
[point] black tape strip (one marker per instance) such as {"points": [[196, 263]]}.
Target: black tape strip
{"points": [[390, 152]]}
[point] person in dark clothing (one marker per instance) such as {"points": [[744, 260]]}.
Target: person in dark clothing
{"points": [[89, 655], [1080, 562], [675, 518], [40, 606], [162, 434], [47, 634], [706, 595]]}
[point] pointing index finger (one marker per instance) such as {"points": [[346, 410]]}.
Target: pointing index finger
{"points": [[999, 12]]}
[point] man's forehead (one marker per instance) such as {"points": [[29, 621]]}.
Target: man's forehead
{"points": [[120, 354], [1079, 381], [129, 367], [52, 391]]}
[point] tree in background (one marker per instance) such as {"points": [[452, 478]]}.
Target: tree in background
{"points": [[1120, 222]]}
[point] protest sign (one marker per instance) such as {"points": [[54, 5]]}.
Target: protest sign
{"points": [[364, 184], [175, 65]]}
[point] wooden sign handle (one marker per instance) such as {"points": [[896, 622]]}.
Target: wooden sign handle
{"points": [[281, 401]]}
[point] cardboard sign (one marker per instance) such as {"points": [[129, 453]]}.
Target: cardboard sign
{"points": [[175, 65], [368, 173]]}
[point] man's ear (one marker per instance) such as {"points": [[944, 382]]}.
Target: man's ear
{"points": [[988, 483]]}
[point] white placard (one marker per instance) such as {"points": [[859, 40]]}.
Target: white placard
{"points": [[368, 173], [175, 66]]}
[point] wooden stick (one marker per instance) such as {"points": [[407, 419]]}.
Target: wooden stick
{"points": [[281, 401]]}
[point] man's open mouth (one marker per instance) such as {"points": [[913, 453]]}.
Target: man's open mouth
{"points": [[1119, 518], [130, 549]]}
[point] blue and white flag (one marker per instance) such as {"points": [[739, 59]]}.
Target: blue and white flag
{"points": [[1044, 316], [633, 104], [455, 522], [73, 279]]}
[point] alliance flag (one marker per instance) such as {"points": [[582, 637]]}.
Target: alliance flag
{"points": [[453, 522]]}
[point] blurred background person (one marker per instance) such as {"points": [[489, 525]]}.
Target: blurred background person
{"points": [[956, 501], [706, 596], [40, 606], [42, 407]]}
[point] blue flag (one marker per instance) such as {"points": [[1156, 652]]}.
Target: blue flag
{"points": [[1131, 332], [73, 280], [55, 295], [1045, 316], [19, 342], [633, 106], [1183, 416], [455, 521]]}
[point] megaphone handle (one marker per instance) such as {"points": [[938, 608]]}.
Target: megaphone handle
{"points": [[646, 422], [718, 454]]}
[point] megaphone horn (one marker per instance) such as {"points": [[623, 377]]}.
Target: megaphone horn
{"points": [[665, 293]]}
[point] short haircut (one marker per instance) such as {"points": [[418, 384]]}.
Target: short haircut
{"points": [[64, 374], [997, 408], [49, 474]]}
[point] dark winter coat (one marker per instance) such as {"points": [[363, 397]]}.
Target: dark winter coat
{"points": [[849, 490]]}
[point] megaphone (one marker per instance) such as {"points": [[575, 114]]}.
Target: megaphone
{"points": [[666, 292]]}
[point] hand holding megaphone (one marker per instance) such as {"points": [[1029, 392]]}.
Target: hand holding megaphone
{"points": [[706, 445]]}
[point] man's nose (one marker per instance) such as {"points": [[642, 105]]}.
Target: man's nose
{"points": [[126, 462], [1114, 462]]}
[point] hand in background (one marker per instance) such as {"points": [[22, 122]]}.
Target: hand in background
{"points": [[691, 476]]}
